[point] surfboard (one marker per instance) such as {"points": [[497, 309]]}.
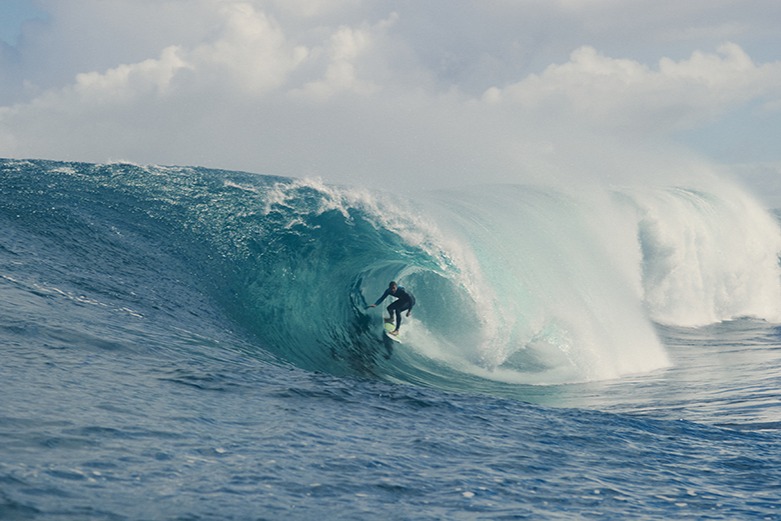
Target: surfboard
{"points": [[390, 326]]}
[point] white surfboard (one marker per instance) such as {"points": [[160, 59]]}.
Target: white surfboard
{"points": [[390, 326]]}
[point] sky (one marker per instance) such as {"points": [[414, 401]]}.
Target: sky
{"points": [[400, 94]]}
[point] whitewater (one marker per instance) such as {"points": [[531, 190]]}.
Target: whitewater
{"points": [[191, 343]]}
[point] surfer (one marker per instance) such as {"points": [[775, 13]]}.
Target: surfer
{"points": [[404, 302]]}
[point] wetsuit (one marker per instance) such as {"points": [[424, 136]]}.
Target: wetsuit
{"points": [[404, 302]]}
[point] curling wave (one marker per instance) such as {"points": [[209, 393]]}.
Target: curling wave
{"points": [[515, 284]]}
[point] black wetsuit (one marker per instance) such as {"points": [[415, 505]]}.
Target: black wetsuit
{"points": [[405, 301]]}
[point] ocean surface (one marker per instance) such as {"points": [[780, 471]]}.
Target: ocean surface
{"points": [[195, 344]]}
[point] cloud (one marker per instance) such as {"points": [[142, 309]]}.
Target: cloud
{"points": [[124, 83], [252, 53], [626, 94], [366, 92], [341, 53]]}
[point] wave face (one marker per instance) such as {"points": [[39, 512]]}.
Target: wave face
{"points": [[515, 285]]}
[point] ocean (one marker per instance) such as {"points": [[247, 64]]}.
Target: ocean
{"points": [[194, 344]]}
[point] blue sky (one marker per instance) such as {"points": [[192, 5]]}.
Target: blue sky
{"points": [[14, 14], [425, 93]]}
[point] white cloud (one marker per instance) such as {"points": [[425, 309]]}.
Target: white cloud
{"points": [[352, 88], [345, 47], [124, 83], [613, 92], [252, 53]]}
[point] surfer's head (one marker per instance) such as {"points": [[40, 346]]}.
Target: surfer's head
{"points": [[392, 286]]}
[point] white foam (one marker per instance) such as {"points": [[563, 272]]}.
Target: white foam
{"points": [[709, 256]]}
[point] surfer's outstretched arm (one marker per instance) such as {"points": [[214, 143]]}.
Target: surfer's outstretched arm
{"points": [[379, 300], [376, 303]]}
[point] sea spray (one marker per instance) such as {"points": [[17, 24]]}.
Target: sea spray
{"points": [[708, 255], [562, 310]]}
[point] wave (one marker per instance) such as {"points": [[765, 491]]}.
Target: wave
{"points": [[516, 285]]}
